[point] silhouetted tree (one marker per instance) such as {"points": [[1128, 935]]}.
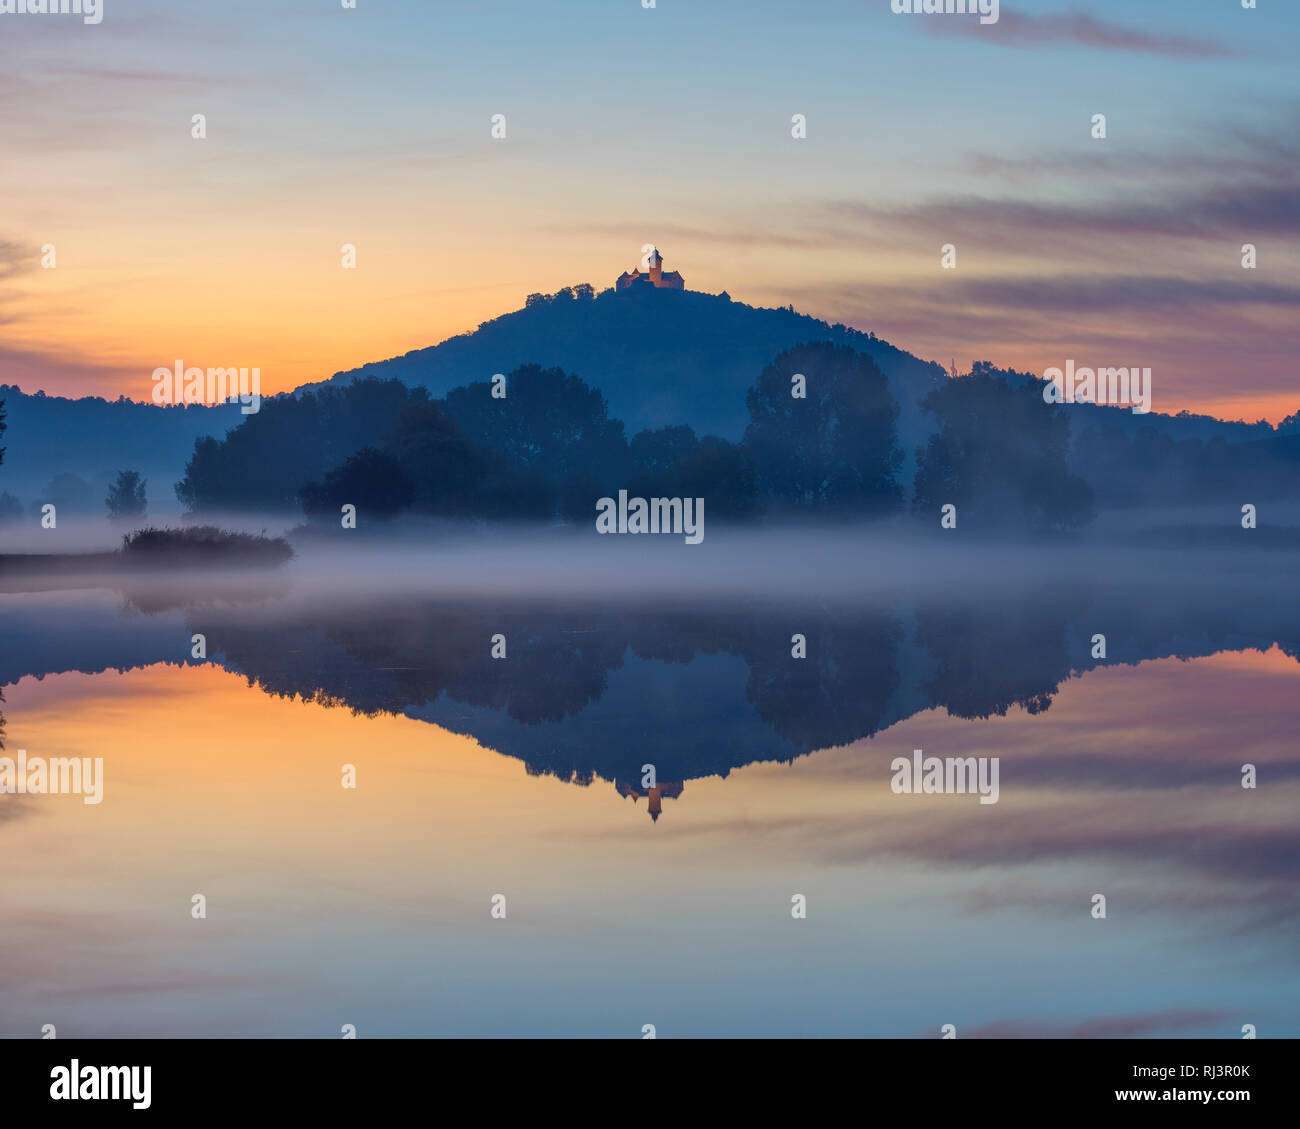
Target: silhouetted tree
{"points": [[126, 497], [672, 463], [837, 448], [551, 423], [723, 474], [656, 451], [371, 480], [263, 463], [452, 477], [513, 494], [445, 470], [67, 492], [999, 456]]}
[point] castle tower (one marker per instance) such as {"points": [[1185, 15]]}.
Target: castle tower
{"points": [[656, 795], [656, 278]]}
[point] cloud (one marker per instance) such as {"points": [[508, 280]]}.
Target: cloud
{"points": [[1110, 829], [1211, 212], [31, 370], [1010, 223], [1241, 156], [1083, 293], [17, 258], [1017, 29], [104, 74], [13, 808], [667, 233]]}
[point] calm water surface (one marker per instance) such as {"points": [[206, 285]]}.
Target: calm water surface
{"points": [[627, 906]]}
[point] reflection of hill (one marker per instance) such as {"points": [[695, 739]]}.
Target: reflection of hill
{"points": [[605, 688], [594, 691], [701, 691]]}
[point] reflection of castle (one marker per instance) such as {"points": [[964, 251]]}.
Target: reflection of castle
{"points": [[656, 794], [656, 278]]}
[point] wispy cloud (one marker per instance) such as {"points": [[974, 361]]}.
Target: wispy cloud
{"points": [[1081, 293], [16, 258], [1018, 29], [1210, 212], [1241, 156], [31, 370], [107, 75], [1003, 223]]}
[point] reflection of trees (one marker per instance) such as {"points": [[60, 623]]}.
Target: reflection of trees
{"points": [[725, 688], [408, 656], [601, 687], [394, 657], [840, 691], [390, 658], [154, 595], [835, 695], [1005, 651], [557, 665]]}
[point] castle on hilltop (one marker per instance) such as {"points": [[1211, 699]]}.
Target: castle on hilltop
{"points": [[658, 278]]}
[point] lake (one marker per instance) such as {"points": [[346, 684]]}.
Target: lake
{"points": [[502, 866]]}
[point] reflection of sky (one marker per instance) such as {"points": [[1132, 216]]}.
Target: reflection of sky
{"points": [[669, 125], [371, 907]]}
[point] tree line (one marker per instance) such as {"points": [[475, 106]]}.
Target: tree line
{"points": [[822, 440]]}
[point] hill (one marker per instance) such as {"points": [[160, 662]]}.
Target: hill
{"points": [[660, 357], [664, 357]]}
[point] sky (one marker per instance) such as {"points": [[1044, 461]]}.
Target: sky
{"points": [[670, 125]]}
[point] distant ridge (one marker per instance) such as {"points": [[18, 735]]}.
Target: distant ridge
{"points": [[94, 438]]}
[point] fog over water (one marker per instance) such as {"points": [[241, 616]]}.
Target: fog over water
{"points": [[779, 561]]}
